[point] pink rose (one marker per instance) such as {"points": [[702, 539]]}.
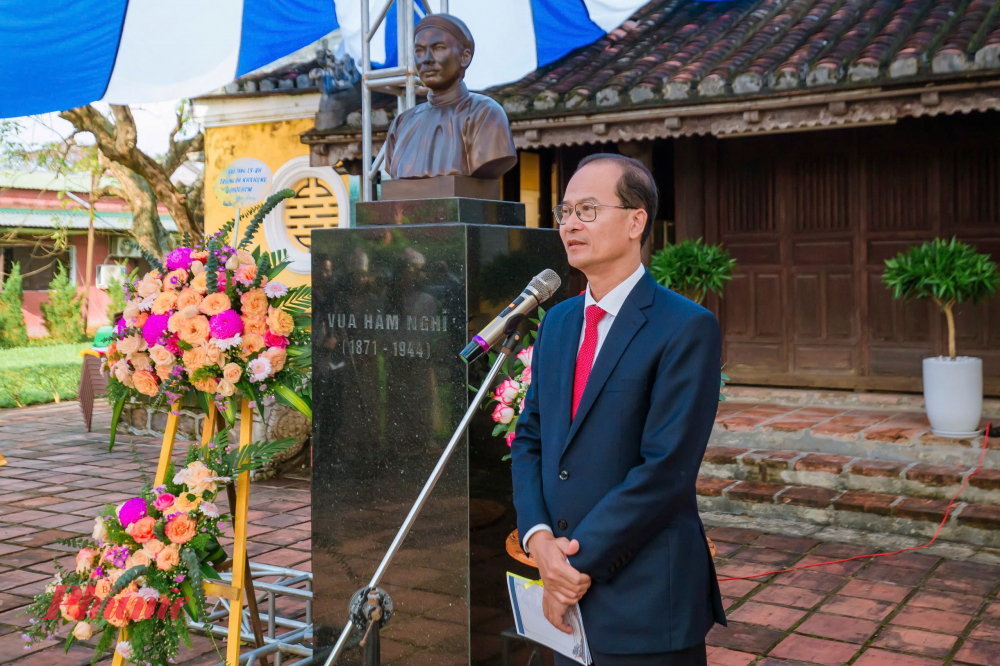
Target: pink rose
{"points": [[509, 438], [503, 413], [164, 501], [524, 356], [507, 391], [526, 376]]}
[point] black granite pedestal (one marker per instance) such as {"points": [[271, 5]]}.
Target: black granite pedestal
{"points": [[392, 308]]}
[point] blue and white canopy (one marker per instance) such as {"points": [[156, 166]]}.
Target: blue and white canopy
{"points": [[59, 54]]}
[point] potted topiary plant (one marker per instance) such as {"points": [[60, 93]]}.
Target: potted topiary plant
{"points": [[692, 268], [947, 272]]}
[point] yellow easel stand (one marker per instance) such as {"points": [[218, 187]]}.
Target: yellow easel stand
{"points": [[233, 593]]}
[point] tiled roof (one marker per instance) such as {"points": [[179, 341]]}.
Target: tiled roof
{"points": [[72, 219], [686, 51]]}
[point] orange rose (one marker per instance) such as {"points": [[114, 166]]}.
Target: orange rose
{"points": [[165, 302], [277, 356], [170, 557], [200, 255], [141, 319], [148, 286], [130, 344], [187, 502], [115, 612], [245, 257], [142, 529], [194, 358], [215, 303], [252, 343], [246, 274], [179, 530], [131, 312], [213, 354], [152, 547], [226, 388], [138, 559], [175, 322], [232, 373], [139, 361], [188, 297], [175, 279], [101, 588], [161, 356], [163, 371], [145, 382], [256, 325], [207, 385], [200, 283], [280, 322], [254, 303], [194, 329]]}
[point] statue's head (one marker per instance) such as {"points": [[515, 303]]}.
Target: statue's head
{"points": [[443, 47]]}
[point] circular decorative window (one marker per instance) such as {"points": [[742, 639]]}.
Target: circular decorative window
{"points": [[314, 206], [321, 201]]}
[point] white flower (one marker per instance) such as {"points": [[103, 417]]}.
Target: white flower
{"points": [[100, 531], [275, 290], [228, 343], [146, 304], [232, 262], [124, 648], [209, 509], [260, 369]]}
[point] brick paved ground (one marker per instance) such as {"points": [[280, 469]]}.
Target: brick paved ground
{"points": [[912, 610]]}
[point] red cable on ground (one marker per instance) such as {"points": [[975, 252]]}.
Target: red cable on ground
{"points": [[947, 511]]}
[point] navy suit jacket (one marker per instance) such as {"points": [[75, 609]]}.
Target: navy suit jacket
{"points": [[620, 477]]}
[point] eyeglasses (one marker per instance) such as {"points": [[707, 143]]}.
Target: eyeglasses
{"points": [[587, 212]]}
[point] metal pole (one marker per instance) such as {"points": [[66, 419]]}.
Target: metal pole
{"points": [[366, 106], [428, 486], [444, 6], [411, 93], [401, 43]]}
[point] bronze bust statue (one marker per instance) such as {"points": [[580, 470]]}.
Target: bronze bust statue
{"points": [[456, 132]]}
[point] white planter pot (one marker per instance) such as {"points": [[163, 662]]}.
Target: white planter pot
{"points": [[953, 395]]}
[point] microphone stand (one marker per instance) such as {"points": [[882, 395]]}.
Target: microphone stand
{"points": [[374, 611]]}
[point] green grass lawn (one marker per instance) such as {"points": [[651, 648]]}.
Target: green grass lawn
{"points": [[37, 374]]}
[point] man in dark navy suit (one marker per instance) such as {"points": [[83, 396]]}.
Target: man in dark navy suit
{"points": [[625, 386]]}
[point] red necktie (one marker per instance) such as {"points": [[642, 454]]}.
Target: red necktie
{"points": [[585, 359]]}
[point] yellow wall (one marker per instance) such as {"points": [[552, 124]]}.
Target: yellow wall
{"points": [[530, 187], [273, 143]]}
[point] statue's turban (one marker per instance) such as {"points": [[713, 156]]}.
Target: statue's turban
{"points": [[453, 25]]}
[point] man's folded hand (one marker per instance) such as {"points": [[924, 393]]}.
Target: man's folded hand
{"points": [[555, 612], [565, 584]]}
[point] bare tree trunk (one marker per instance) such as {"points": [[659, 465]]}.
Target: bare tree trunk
{"points": [[950, 316], [117, 144], [85, 305], [146, 225]]}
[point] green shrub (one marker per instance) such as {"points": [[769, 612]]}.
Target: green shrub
{"points": [[692, 268], [13, 332], [118, 300], [62, 312], [947, 272]]}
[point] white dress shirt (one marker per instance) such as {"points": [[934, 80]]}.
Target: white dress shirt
{"points": [[612, 305]]}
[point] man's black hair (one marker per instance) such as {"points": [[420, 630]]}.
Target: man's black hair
{"points": [[635, 188]]}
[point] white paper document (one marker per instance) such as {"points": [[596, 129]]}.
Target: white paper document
{"points": [[529, 618]]}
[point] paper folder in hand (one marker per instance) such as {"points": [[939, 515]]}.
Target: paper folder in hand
{"points": [[530, 620]]}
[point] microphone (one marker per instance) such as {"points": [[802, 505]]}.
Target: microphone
{"points": [[539, 290]]}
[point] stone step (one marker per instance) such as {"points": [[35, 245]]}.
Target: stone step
{"points": [[802, 468], [902, 436], [889, 513]]}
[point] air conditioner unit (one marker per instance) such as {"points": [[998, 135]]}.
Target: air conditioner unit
{"points": [[125, 246], [106, 273]]}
